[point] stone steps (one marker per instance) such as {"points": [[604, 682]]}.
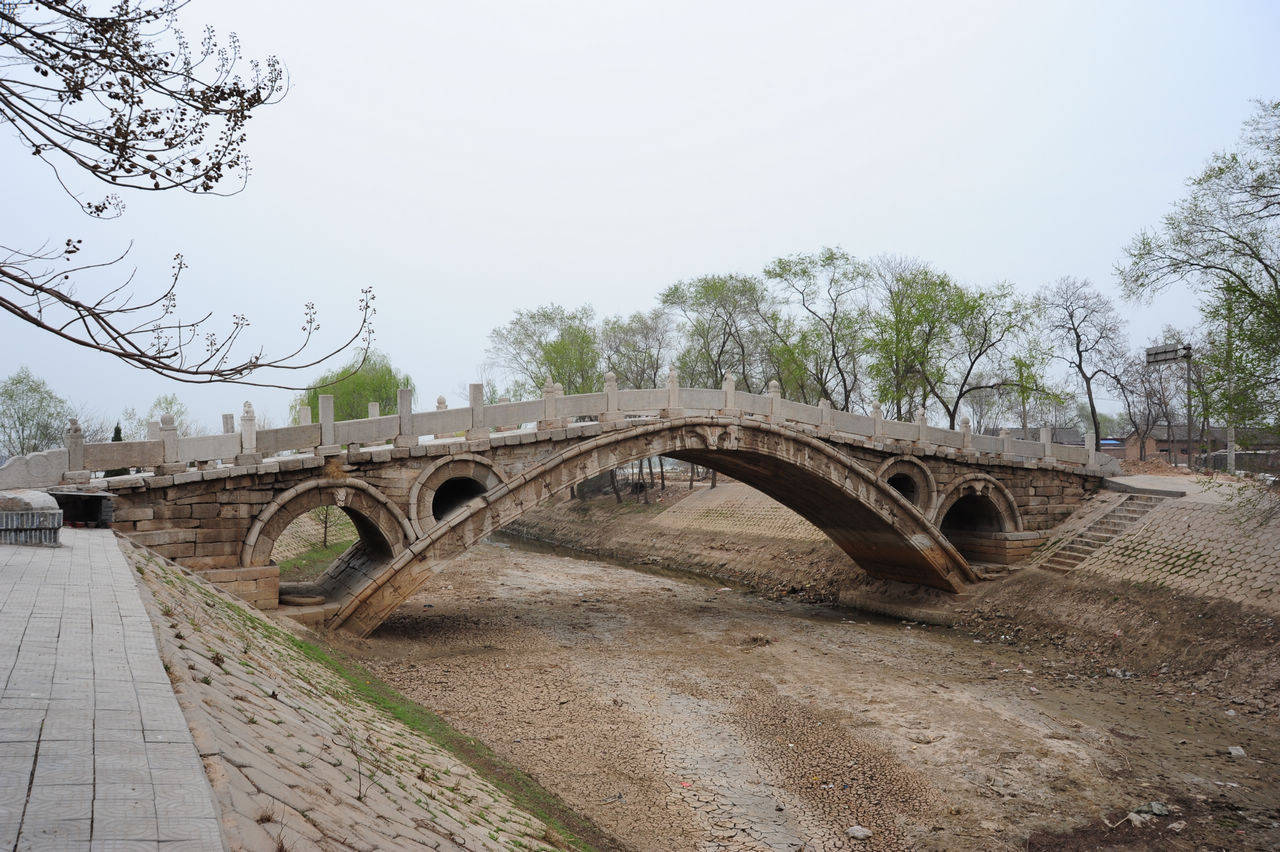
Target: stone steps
{"points": [[1101, 532]]}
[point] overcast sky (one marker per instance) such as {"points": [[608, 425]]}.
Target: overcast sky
{"points": [[470, 159]]}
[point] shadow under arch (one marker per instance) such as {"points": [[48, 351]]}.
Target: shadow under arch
{"points": [[976, 509], [883, 532]]}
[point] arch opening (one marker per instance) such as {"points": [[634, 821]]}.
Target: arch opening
{"points": [[453, 494], [972, 513], [904, 485]]}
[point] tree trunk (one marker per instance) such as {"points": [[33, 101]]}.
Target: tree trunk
{"points": [[690, 476], [662, 471], [613, 481], [1093, 412], [713, 477], [651, 482], [324, 515]]}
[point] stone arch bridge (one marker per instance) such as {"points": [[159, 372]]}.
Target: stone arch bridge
{"points": [[906, 501]]}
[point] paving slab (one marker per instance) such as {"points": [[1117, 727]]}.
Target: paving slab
{"points": [[94, 749]]}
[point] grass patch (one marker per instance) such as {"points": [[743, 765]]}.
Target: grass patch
{"points": [[575, 830], [313, 563]]}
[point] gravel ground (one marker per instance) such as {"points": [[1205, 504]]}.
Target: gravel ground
{"points": [[678, 715]]}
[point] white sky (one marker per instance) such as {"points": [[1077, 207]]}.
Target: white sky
{"points": [[470, 159]]}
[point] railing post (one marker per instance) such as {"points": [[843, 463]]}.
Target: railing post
{"points": [[611, 412], [375, 410], [877, 418], [1046, 438], [1090, 444], [730, 396], [826, 417], [441, 404], [303, 415], [169, 435], [327, 434], [405, 436], [1006, 442], [228, 423], [75, 453], [966, 433], [673, 393], [775, 401], [153, 430], [548, 406], [248, 437], [478, 430]]}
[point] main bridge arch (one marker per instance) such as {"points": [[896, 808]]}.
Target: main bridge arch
{"points": [[871, 521]]}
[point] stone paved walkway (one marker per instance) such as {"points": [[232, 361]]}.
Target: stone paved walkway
{"points": [[94, 750]]}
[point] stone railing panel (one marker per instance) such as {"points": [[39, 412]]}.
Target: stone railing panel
{"points": [[702, 399], [943, 437], [986, 443], [273, 441], [1030, 449], [202, 448], [851, 423], [1071, 453], [506, 414], [371, 430], [442, 423], [798, 412], [644, 399], [581, 405], [752, 403], [123, 454], [39, 470], [899, 431]]}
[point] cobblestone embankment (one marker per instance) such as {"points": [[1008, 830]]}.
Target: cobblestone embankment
{"points": [[298, 756]]}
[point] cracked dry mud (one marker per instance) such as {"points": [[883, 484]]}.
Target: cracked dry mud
{"points": [[681, 716]]}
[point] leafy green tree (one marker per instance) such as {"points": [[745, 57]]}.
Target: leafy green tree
{"points": [[135, 425], [639, 348], [1223, 239], [820, 353], [909, 327], [117, 435], [32, 417], [1087, 335], [549, 344], [721, 328], [367, 378]]}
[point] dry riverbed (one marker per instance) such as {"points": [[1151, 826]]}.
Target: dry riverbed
{"points": [[678, 715]]}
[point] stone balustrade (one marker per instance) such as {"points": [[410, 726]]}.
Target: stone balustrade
{"points": [[165, 452]]}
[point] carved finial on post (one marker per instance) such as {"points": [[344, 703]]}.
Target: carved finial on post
{"points": [[1091, 444], [1006, 442], [673, 393], [169, 436], [75, 451], [826, 417], [922, 416], [966, 431], [877, 417], [375, 410], [248, 436], [441, 405], [775, 401]]}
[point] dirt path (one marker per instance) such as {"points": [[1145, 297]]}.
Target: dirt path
{"points": [[682, 716]]}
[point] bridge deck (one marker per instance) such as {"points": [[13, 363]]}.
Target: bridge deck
{"points": [[93, 746]]}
